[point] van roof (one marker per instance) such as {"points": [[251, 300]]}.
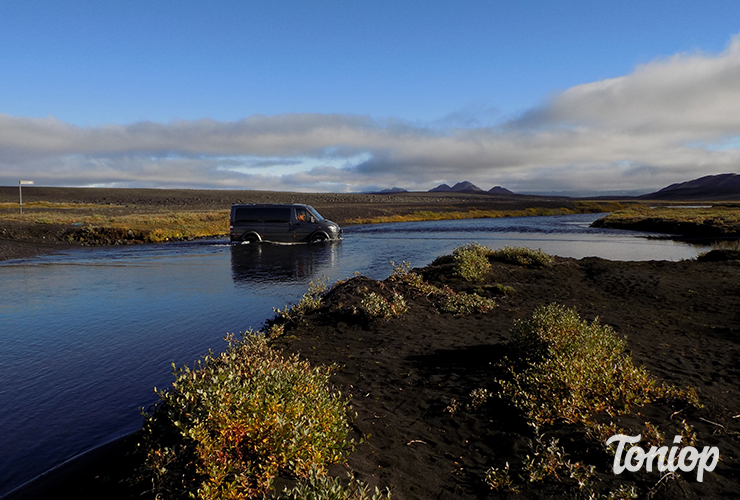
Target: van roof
{"points": [[268, 205]]}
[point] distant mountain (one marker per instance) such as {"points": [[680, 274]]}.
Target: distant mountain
{"points": [[466, 186], [710, 187], [393, 190], [442, 188], [460, 187], [500, 191]]}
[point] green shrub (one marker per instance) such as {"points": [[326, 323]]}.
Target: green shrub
{"points": [[576, 370], [403, 274], [566, 370], [730, 245], [522, 256], [479, 397], [500, 479], [550, 461], [461, 303], [226, 428], [310, 301], [322, 487], [377, 306], [471, 261], [496, 289]]}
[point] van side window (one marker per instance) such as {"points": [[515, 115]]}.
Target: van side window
{"points": [[242, 215], [256, 214], [302, 215], [277, 215]]}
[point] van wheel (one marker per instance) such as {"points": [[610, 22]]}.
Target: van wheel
{"points": [[250, 238], [318, 238]]}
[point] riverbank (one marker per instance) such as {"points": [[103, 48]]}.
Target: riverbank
{"points": [[412, 378], [57, 218], [707, 222]]}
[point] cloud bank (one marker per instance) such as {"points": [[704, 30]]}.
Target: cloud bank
{"points": [[668, 121]]}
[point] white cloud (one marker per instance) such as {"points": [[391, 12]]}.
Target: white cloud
{"points": [[689, 96], [669, 120]]}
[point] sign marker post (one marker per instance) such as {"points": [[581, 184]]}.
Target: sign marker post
{"points": [[20, 192]]}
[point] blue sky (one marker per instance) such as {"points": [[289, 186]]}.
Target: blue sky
{"points": [[540, 96]]}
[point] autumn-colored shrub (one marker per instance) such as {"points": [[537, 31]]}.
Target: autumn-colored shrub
{"points": [[227, 427]]}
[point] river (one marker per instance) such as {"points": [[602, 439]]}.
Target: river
{"points": [[86, 334]]}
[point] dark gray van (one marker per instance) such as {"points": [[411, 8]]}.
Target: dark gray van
{"points": [[291, 223]]}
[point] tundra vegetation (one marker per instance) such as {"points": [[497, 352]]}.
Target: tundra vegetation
{"points": [[104, 224], [99, 224], [564, 370], [717, 221], [228, 427], [577, 207], [473, 261]]}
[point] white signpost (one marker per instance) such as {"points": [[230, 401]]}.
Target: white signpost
{"points": [[20, 192]]}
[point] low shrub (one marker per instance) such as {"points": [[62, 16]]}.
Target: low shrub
{"points": [[729, 245], [227, 427], [461, 303], [323, 487], [310, 301], [575, 369], [522, 256], [376, 306], [402, 273], [565, 371], [496, 289], [447, 300], [500, 479], [471, 261]]}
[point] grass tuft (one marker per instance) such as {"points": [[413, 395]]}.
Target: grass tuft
{"points": [[522, 256]]}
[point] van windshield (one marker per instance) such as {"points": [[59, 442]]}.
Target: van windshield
{"points": [[314, 213]]}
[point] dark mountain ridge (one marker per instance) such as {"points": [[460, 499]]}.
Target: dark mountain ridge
{"points": [[469, 187], [500, 191], [709, 187], [460, 187]]}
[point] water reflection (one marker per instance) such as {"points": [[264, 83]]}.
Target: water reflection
{"points": [[266, 262]]}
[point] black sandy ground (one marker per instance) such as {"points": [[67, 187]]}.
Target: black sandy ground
{"points": [[681, 321]]}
